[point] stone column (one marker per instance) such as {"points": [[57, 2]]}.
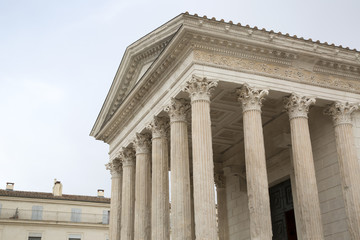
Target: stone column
{"points": [[348, 163], [304, 169], [192, 205], [223, 226], [115, 167], [255, 161], [142, 147], [128, 194], [180, 178], [199, 90], [295, 198], [160, 180]]}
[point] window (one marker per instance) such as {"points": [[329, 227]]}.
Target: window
{"points": [[75, 215], [74, 237], [36, 213], [34, 236], [105, 217]]}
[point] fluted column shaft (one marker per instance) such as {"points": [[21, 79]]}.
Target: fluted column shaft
{"points": [[348, 163], [180, 176], [142, 229], [128, 195], [160, 181], [304, 169], [203, 165], [115, 203], [256, 173], [223, 225], [192, 205]]}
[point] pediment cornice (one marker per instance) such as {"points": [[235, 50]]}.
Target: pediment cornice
{"points": [[229, 40], [133, 72]]}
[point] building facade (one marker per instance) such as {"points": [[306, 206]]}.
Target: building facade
{"points": [[53, 216], [270, 119]]}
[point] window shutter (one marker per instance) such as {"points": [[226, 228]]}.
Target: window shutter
{"points": [[76, 214], [105, 217], [36, 213]]}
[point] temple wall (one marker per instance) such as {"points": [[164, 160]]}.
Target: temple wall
{"points": [[328, 176], [238, 212]]}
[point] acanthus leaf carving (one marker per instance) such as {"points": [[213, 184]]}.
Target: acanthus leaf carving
{"points": [[177, 110], [200, 88], [114, 166], [277, 70], [159, 127], [127, 156], [341, 112], [142, 143], [251, 98], [297, 106]]}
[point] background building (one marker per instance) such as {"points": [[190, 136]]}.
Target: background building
{"points": [[54, 216]]}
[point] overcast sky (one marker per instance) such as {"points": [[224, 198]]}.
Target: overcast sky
{"points": [[58, 59]]}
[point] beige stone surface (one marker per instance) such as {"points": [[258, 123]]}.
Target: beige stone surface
{"points": [[256, 174], [115, 167], [160, 225], [348, 163], [142, 225], [199, 90], [222, 210], [180, 173], [128, 194], [306, 186], [235, 55]]}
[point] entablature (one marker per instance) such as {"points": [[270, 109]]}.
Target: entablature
{"points": [[229, 46]]}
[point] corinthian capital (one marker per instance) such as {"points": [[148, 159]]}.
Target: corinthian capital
{"points": [[200, 88], [142, 143], [158, 127], [251, 98], [115, 166], [341, 112], [127, 157], [298, 106], [177, 110]]}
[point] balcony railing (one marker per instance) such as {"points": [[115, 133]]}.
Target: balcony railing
{"points": [[57, 216]]}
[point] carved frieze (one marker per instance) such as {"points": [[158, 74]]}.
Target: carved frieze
{"points": [[341, 112], [277, 71]]}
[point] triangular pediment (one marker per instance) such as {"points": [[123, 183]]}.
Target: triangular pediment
{"points": [[137, 60], [139, 64], [146, 60]]}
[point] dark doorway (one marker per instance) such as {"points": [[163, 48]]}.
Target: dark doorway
{"points": [[282, 212]]}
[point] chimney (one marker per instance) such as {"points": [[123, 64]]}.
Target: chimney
{"points": [[9, 186], [57, 189], [100, 193]]}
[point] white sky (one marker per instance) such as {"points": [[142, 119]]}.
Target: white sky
{"points": [[58, 59]]}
